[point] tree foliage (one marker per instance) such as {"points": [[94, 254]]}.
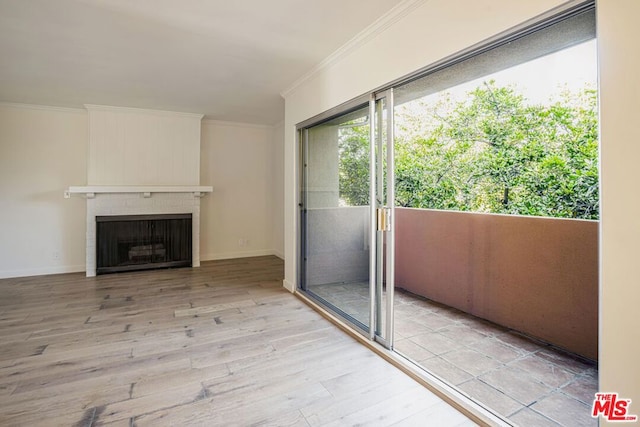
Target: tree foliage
{"points": [[492, 152], [354, 164]]}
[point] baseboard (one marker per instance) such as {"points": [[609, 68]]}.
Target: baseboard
{"points": [[8, 274], [278, 254], [232, 255], [289, 286]]}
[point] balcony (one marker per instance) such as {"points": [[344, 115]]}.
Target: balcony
{"points": [[503, 307]]}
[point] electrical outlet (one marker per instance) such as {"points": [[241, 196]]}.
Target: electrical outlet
{"points": [[55, 256], [242, 242]]}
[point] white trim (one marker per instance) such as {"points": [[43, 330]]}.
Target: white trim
{"points": [[289, 286], [236, 124], [363, 37], [232, 255], [93, 107], [43, 107], [63, 269], [278, 254], [86, 189]]}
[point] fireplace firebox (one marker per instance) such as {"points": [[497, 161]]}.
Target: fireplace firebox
{"points": [[142, 242]]}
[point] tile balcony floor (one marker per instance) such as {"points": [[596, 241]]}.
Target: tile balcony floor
{"points": [[528, 382]]}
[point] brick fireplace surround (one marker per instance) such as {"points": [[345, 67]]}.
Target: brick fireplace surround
{"points": [[129, 203]]}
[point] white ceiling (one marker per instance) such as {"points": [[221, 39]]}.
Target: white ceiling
{"points": [[227, 59]]}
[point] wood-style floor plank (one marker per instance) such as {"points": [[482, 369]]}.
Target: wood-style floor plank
{"points": [[220, 345]]}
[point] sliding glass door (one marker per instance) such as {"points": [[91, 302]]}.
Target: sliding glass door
{"points": [[335, 212], [383, 194], [345, 214], [472, 187]]}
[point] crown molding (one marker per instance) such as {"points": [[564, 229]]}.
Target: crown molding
{"points": [[378, 26], [93, 107], [237, 124], [43, 107]]}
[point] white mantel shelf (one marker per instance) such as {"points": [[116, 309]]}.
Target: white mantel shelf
{"points": [[90, 191]]}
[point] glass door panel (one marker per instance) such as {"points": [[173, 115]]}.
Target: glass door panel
{"points": [[492, 153], [382, 282], [335, 215], [346, 239]]}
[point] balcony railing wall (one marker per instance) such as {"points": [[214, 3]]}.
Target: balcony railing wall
{"points": [[536, 275]]}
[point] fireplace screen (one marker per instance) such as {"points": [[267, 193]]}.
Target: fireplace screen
{"points": [[140, 242]]}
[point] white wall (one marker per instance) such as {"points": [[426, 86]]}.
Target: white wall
{"points": [[277, 189], [237, 218], [439, 28], [619, 67], [42, 151], [130, 146]]}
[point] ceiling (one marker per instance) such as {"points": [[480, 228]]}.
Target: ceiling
{"points": [[227, 59]]}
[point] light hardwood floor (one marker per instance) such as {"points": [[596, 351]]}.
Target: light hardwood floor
{"points": [[223, 344]]}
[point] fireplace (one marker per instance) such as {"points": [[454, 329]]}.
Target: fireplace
{"points": [[141, 162], [141, 242], [139, 201]]}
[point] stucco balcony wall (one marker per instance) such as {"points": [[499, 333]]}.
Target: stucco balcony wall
{"points": [[536, 275]]}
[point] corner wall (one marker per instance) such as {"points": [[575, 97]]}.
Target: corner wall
{"points": [[619, 63], [277, 185], [237, 217], [42, 152]]}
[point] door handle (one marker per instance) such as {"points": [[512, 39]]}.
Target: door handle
{"points": [[383, 219]]}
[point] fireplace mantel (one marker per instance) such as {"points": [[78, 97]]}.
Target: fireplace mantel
{"points": [[90, 191]]}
